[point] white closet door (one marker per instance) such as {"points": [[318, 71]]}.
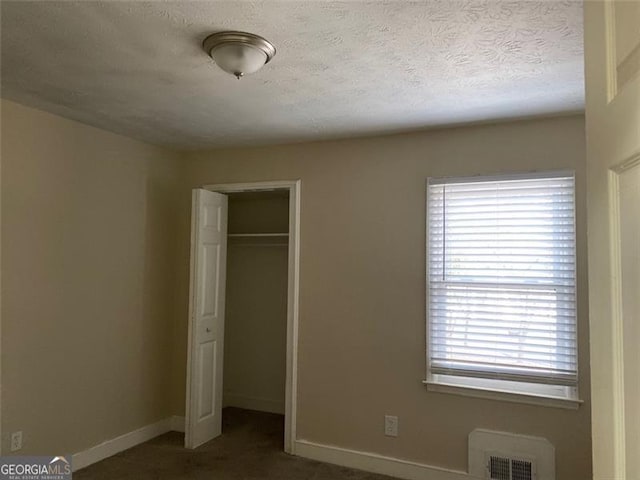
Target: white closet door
{"points": [[612, 61], [206, 317]]}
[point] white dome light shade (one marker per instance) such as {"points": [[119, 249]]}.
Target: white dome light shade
{"points": [[238, 59], [239, 53]]}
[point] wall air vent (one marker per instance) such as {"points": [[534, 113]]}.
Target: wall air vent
{"points": [[505, 468], [507, 456]]}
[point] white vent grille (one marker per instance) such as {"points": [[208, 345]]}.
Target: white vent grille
{"points": [[508, 456], [499, 468], [521, 470], [505, 468]]}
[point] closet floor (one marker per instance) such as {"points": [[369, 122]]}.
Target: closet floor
{"points": [[250, 448]]}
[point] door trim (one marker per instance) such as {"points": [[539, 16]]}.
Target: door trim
{"points": [[617, 374], [291, 390], [617, 320]]}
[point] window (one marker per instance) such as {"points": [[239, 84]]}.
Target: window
{"points": [[502, 284]]}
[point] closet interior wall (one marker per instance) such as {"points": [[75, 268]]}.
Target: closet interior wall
{"points": [[256, 301]]}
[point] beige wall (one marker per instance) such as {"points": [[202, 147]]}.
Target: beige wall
{"points": [[88, 243], [362, 283], [94, 305]]}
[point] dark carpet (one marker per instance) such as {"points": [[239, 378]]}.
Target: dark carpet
{"points": [[249, 448]]}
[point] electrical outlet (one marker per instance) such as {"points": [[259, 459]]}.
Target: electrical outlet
{"points": [[16, 441], [390, 426]]}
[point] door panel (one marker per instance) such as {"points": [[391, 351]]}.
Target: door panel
{"points": [[211, 261], [206, 317], [625, 40], [207, 364]]}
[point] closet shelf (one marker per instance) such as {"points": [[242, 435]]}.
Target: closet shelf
{"points": [[258, 239]]}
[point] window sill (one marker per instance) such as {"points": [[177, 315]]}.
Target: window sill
{"points": [[492, 394]]}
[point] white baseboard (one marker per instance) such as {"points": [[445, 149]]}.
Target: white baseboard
{"points": [[232, 399], [124, 442], [370, 462], [374, 463]]}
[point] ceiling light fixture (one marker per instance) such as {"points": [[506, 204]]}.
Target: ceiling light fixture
{"points": [[239, 53]]}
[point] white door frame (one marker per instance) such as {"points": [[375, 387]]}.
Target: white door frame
{"points": [[293, 186]]}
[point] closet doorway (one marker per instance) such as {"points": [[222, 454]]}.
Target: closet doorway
{"points": [[243, 305]]}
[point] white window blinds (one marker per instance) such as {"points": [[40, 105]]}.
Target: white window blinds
{"points": [[502, 278]]}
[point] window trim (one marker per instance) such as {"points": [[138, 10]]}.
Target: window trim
{"points": [[496, 389], [503, 395]]}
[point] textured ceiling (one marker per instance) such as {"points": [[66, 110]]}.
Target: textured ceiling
{"points": [[341, 69]]}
